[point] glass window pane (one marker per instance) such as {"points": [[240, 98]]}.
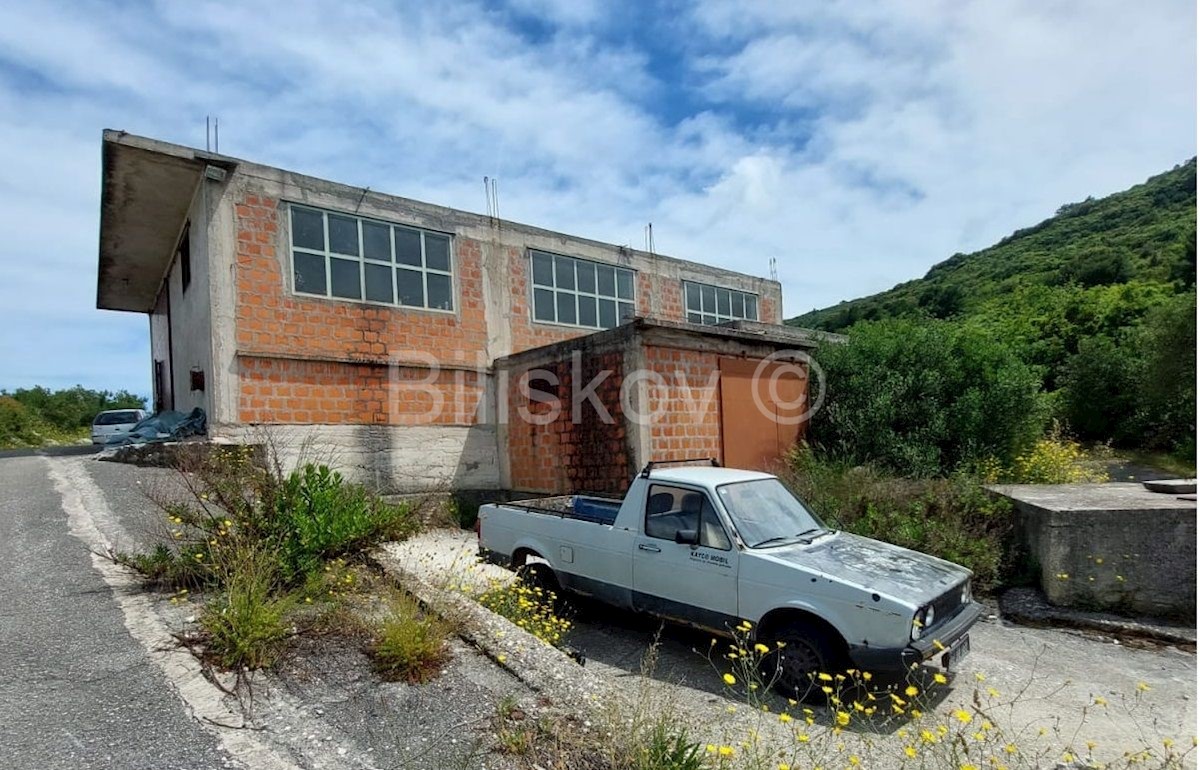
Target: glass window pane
{"points": [[738, 309], [440, 291], [723, 302], [377, 241], [606, 281], [752, 307], [408, 246], [343, 234], [379, 282], [625, 311], [694, 318], [608, 314], [410, 288], [543, 305], [709, 296], [625, 284], [586, 273], [587, 311], [543, 269], [309, 272], [710, 320], [564, 273], [308, 229], [693, 296], [344, 280], [565, 302], [437, 252]]}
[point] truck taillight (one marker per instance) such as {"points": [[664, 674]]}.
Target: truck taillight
{"points": [[478, 534]]}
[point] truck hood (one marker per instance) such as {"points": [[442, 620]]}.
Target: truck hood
{"points": [[876, 566]]}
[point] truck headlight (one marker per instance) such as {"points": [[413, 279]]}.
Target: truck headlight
{"points": [[921, 621], [966, 592]]}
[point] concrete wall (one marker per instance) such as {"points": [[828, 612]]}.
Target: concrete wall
{"points": [[181, 328], [1109, 546], [387, 458]]}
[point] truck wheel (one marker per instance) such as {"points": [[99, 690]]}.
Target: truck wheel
{"points": [[806, 652], [539, 575]]}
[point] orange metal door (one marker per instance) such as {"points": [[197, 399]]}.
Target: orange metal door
{"points": [[756, 432]]}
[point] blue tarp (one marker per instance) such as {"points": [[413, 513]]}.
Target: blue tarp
{"points": [[164, 426]]}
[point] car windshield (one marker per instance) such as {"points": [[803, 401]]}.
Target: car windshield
{"points": [[765, 512], [116, 418]]}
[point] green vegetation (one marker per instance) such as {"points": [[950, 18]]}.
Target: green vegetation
{"points": [[1097, 301], [953, 518], [264, 544], [39, 416], [411, 644], [925, 398]]}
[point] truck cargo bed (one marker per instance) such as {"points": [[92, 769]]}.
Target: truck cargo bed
{"points": [[594, 508]]}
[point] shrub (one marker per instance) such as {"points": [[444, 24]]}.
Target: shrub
{"points": [[924, 398], [320, 516], [411, 644], [529, 607], [1054, 460], [953, 518], [246, 624], [667, 747]]}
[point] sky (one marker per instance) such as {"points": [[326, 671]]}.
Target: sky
{"points": [[857, 143]]}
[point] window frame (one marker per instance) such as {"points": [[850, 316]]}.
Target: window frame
{"points": [[577, 293], [716, 313], [364, 260], [699, 515]]}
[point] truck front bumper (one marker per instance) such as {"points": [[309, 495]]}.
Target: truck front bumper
{"points": [[935, 641]]}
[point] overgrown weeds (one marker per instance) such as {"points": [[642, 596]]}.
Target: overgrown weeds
{"points": [[264, 542], [532, 608], [411, 643], [953, 518]]}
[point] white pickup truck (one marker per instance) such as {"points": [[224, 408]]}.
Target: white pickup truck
{"points": [[711, 546]]}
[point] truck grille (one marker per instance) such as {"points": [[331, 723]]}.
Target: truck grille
{"points": [[947, 605]]}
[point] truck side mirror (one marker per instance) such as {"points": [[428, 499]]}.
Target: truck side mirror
{"points": [[687, 536]]}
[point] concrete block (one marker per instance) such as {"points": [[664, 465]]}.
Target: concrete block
{"points": [[1115, 547]]}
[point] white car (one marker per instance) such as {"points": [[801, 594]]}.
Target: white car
{"points": [[115, 422], [712, 546]]}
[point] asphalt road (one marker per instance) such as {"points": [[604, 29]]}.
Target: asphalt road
{"points": [[76, 690]]}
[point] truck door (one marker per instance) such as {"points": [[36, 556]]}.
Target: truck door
{"points": [[695, 583]]}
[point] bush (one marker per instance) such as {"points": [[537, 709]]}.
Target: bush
{"points": [[246, 624], [1054, 460], [70, 409], [925, 398], [319, 516], [411, 644], [953, 518]]}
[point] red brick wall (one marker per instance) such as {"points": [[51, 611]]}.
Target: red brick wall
{"points": [[329, 392], [273, 323], [687, 407], [565, 456]]}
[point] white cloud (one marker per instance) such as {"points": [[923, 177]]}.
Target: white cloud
{"points": [[858, 142]]}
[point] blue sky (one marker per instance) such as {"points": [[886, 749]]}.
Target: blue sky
{"points": [[857, 142]]}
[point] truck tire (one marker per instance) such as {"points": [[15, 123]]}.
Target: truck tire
{"points": [[541, 575], [808, 650]]}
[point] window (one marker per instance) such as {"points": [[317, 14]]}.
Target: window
{"points": [[577, 292], [185, 257], [671, 509], [713, 305], [347, 257]]}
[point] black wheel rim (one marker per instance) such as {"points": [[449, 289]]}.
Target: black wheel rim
{"points": [[799, 663]]}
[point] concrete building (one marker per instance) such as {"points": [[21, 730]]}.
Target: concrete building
{"points": [[377, 333]]}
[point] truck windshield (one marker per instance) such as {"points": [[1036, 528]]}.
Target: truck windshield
{"points": [[765, 512]]}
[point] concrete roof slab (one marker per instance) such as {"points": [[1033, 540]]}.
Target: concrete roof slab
{"points": [[144, 201]]}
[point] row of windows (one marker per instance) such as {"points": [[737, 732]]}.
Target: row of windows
{"points": [[347, 257]]}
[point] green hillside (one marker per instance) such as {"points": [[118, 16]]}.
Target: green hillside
{"points": [[1098, 302], [1131, 249]]}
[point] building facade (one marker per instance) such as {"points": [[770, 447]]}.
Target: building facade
{"points": [[363, 329]]}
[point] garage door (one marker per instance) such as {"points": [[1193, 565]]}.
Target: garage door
{"points": [[756, 432]]}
